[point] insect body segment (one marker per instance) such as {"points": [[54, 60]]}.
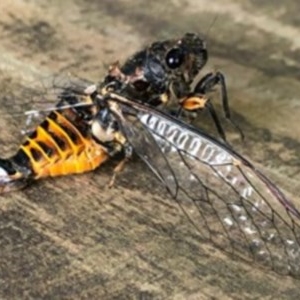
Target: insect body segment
{"points": [[163, 73], [61, 145], [167, 67]]}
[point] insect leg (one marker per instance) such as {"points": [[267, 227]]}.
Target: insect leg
{"points": [[207, 83], [216, 120], [196, 100], [121, 165]]}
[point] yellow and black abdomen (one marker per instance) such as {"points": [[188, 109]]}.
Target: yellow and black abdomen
{"points": [[61, 145]]}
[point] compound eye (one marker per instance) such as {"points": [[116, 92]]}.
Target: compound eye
{"points": [[174, 58]]}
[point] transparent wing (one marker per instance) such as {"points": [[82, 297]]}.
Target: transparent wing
{"points": [[232, 204], [148, 150], [29, 103]]}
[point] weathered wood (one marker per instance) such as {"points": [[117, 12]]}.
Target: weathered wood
{"points": [[73, 238]]}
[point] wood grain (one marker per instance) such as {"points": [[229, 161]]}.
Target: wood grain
{"points": [[73, 238]]}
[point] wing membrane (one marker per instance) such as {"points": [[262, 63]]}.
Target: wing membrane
{"points": [[30, 103], [229, 201], [149, 151]]}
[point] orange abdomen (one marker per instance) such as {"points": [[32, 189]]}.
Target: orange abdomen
{"points": [[59, 147]]}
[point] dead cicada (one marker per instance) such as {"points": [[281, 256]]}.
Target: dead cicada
{"points": [[231, 203]]}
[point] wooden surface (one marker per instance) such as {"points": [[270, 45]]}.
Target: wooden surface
{"points": [[73, 238]]}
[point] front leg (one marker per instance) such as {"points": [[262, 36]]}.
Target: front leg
{"points": [[197, 100], [208, 82]]}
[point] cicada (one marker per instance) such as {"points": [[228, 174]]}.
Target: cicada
{"points": [[226, 198], [158, 75]]}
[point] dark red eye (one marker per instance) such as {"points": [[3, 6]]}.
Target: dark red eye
{"points": [[174, 58]]}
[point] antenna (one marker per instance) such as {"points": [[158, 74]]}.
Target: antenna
{"points": [[210, 27]]}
